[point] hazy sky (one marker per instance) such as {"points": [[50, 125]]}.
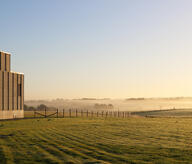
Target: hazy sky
{"points": [[99, 48]]}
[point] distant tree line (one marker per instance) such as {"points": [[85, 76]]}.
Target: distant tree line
{"points": [[39, 107], [135, 99], [103, 106]]}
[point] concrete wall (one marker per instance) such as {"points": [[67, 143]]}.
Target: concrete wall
{"points": [[1, 90], [15, 92], [18, 92], [2, 65], [11, 90], [8, 62], [22, 92], [5, 62], [11, 93], [5, 91], [11, 114]]}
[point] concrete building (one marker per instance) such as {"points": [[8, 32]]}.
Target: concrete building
{"points": [[11, 90]]}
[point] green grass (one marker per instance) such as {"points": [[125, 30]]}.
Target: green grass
{"points": [[96, 140], [166, 113]]}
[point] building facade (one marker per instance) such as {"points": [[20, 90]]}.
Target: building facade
{"points": [[11, 90]]}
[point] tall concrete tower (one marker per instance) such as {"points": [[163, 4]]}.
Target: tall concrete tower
{"points": [[11, 90]]}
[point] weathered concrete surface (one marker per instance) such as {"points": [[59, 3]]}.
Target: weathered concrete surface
{"points": [[11, 114], [11, 90]]}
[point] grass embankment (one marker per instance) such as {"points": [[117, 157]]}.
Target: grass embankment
{"points": [[89, 140], [166, 113]]}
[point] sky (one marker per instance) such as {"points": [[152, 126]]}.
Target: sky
{"points": [[99, 48]]}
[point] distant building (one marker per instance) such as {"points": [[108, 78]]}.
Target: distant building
{"points": [[11, 90]]}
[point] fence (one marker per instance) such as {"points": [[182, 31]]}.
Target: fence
{"points": [[75, 113]]}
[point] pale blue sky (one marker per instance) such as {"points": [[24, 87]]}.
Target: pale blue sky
{"points": [[99, 48]]}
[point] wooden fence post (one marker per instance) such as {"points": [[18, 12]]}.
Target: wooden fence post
{"points": [[63, 113], [81, 113], [45, 112], [76, 113], [57, 113], [87, 113], [34, 113], [69, 112], [97, 114], [106, 114]]}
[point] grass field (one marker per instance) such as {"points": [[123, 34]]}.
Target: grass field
{"points": [[96, 140], [166, 113]]}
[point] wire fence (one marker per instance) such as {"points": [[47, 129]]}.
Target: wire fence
{"points": [[71, 113]]}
